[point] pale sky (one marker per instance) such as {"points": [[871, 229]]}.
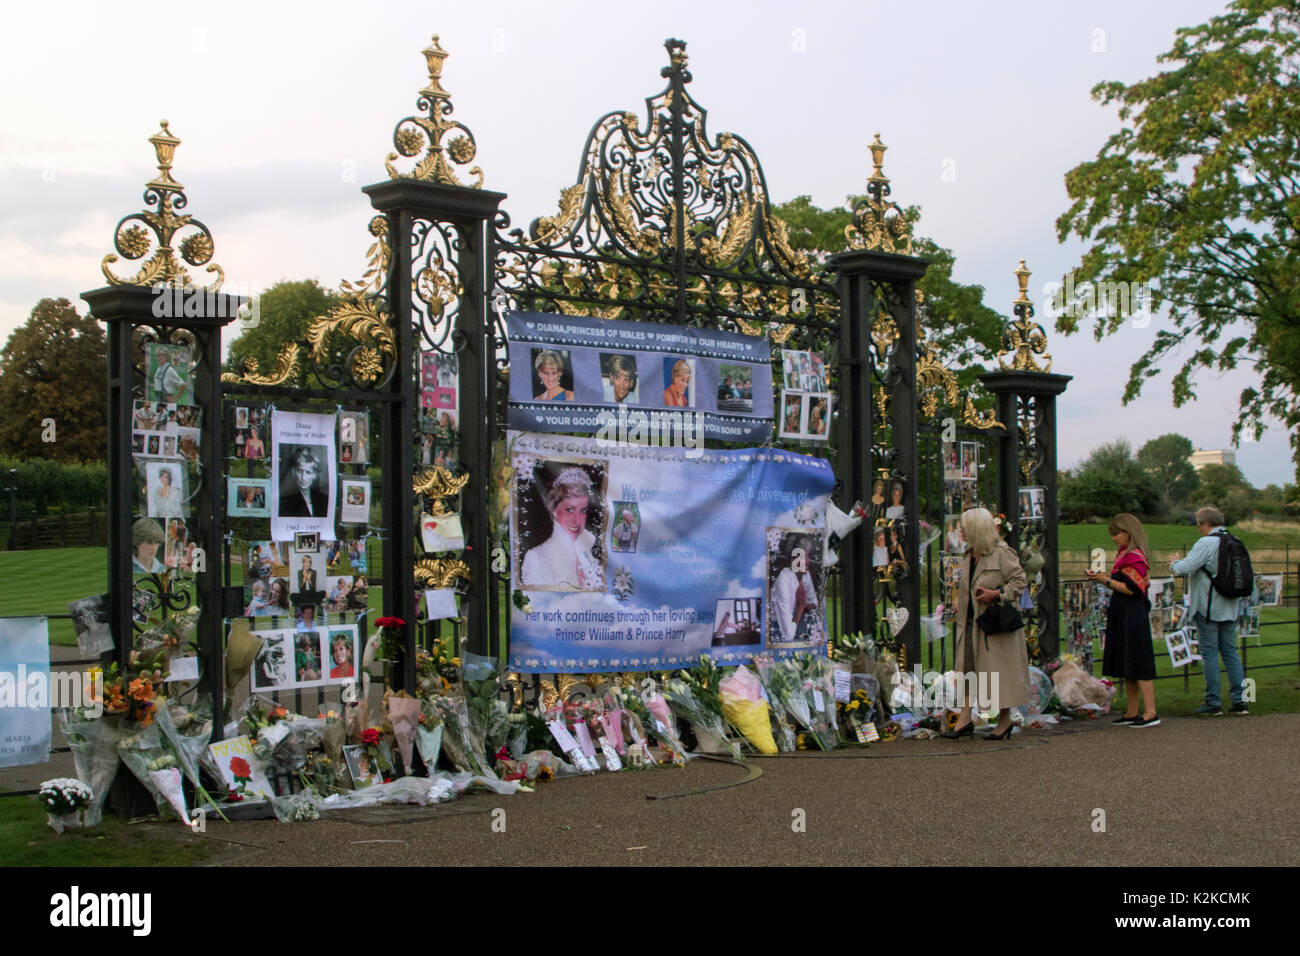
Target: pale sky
{"points": [[286, 109]]}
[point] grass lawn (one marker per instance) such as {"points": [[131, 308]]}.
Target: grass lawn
{"points": [[27, 840], [44, 581], [1180, 537]]}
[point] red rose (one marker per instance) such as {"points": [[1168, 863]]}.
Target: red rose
{"points": [[240, 769], [370, 737]]}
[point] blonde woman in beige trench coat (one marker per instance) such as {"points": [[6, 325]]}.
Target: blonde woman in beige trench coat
{"points": [[1000, 661]]}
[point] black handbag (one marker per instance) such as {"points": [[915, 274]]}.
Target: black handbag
{"points": [[1000, 618]]}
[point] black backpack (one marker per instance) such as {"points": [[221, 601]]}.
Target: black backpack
{"points": [[1235, 578]]}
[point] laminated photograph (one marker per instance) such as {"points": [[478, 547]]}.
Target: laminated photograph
{"points": [[355, 495]]}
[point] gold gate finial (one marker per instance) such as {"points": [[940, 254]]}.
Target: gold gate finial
{"points": [[131, 238], [415, 133], [877, 224], [1024, 338]]}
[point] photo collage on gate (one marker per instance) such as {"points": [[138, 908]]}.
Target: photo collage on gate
{"points": [[805, 410], [298, 483], [439, 414], [166, 439], [1084, 605], [1171, 621], [1267, 593], [961, 469]]}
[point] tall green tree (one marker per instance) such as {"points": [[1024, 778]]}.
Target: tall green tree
{"points": [[1199, 194], [1167, 460], [958, 324], [1107, 483], [286, 309], [54, 386]]}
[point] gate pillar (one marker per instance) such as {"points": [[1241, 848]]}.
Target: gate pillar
{"points": [[1025, 391]]}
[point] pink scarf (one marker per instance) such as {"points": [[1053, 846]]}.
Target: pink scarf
{"points": [[1134, 560]]}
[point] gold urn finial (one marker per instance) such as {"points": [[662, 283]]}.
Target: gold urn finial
{"points": [[132, 239], [1024, 339], [426, 132], [1022, 276], [878, 224], [434, 54], [164, 145], [878, 161]]}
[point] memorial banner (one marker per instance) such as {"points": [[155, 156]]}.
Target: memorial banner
{"points": [[574, 374], [633, 558], [25, 692]]}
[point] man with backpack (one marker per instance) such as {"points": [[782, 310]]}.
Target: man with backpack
{"points": [[1219, 575]]}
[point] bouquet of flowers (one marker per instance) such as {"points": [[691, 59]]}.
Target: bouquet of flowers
{"points": [[145, 755], [787, 706], [489, 714], [93, 743], [646, 709], [435, 669], [404, 716], [743, 706], [66, 802], [131, 692], [817, 678], [698, 707], [460, 742], [582, 750], [320, 774]]}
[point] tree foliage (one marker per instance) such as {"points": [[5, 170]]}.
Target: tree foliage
{"points": [[963, 331], [1109, 482], [287, 309], [1167, 460], [1199, 193], [55, 367]]}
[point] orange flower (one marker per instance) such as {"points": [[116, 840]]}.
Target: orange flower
{"points": [[141, 689]]}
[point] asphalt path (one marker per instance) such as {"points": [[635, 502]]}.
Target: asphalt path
{"points": [[1191, 792]]}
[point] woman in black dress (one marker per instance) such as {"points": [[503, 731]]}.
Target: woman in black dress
{"points": [[1128, 653]]}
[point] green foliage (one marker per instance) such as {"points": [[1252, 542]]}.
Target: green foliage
{"points": [[1167, 460], [51, 487], [1108, 483], [1225, 487], [55, 367], [1198, 193], [958, 324], [287, 309]]}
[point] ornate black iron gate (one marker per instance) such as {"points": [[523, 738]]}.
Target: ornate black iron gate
{"points": [[665, 223]]}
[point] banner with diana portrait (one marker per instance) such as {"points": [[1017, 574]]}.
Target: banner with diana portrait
{"points": [[628, 557]]}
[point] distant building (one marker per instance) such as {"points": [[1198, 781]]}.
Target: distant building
{"points": [[1200, 457]]}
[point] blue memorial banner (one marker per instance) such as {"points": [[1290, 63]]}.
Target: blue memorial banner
{"points": [[618, 379], [631, 558], [24, 691]]}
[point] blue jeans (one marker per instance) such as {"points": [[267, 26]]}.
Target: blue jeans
{"points": [[1219, 637]]}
